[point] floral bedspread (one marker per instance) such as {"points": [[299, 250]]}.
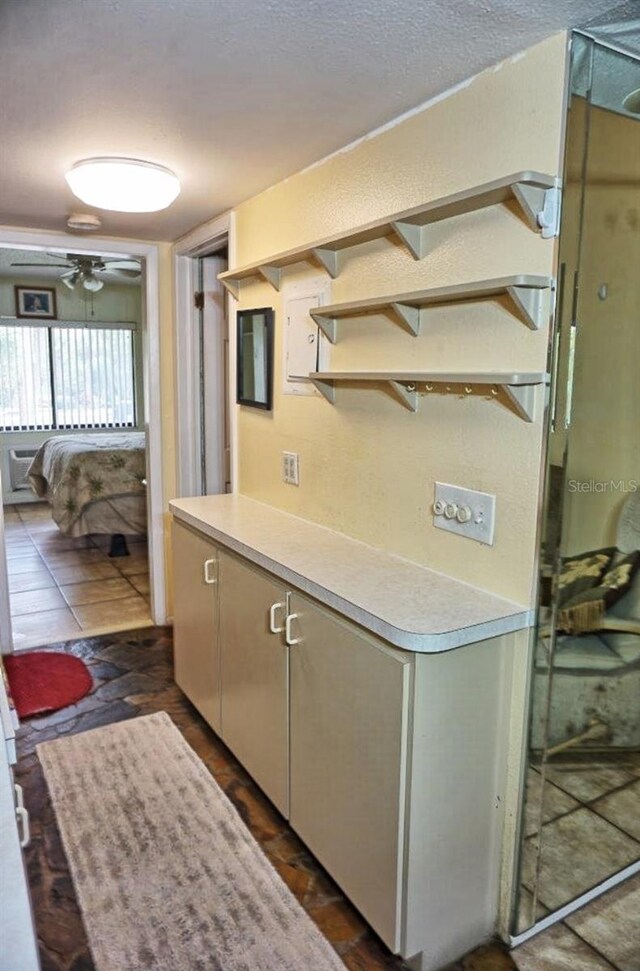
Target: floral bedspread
{"points": [[73, 471]]}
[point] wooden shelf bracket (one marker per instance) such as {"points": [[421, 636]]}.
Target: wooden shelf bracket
{"points": [[406, 394], [523, 399], [541, 207], [327, 258]]}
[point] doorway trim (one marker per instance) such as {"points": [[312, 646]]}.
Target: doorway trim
{"points": [[104, 246], [202, 241]]}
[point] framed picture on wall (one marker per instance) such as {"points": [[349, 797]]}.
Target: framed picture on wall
{"points": [[36, 302]]}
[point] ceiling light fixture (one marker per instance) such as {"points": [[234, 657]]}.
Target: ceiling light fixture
{"points": [[123, 184], [83, 222]]}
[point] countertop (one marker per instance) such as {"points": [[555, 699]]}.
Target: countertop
{"points": [[410, 606]]}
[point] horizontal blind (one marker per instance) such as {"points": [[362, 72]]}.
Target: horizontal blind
{"points": [[25, 379], [93, 377]]}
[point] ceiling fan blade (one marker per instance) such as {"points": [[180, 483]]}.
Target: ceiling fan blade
{"points": [[42, 266], [123, 265], [121, 271]]}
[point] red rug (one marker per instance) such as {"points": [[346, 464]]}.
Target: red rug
{"points": [[42, 681]]}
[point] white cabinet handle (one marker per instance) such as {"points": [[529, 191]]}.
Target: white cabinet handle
{"points": [[272, 619], [209, 577], [23, 817], [287, 631]]}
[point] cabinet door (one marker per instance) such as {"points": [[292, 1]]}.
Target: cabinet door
{"points": [[196, 648], [254, 670], [349, 736]]}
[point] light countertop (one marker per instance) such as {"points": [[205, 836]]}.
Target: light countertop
{"points": [[410, 606]]}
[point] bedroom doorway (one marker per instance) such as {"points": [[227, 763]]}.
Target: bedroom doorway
{"points": [[74, 369]]}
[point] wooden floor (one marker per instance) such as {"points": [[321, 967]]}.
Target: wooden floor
{"points": [[132, 672]]}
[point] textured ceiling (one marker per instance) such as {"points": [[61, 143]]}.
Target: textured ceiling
{"points": [[233, 95]]}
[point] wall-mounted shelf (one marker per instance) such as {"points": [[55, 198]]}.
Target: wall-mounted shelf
{"points": [[528, 295], [518, 387], [536, 194]]}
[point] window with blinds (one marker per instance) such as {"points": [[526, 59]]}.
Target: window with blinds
{"points": [[66, 376]]}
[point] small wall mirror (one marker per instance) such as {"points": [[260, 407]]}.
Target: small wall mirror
{"points": [[255, 357]]}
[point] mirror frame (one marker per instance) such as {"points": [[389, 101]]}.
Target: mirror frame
{"points": [[241, 398]]}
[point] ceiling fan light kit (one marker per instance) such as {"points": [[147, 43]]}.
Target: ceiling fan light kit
{"points": [[70, 281], [92, 283], [84, 276], [123, 184], [82, 269]]}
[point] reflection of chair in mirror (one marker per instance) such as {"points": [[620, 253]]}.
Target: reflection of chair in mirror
{"points": [[595, 675]]}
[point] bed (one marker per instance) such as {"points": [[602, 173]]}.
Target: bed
{"points": [[94, 483]]}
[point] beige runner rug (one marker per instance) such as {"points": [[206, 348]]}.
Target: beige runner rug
{"points": [[167, 875]]}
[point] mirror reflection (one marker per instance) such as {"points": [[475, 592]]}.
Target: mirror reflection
{"points": [[255, 344], [582, 812]]}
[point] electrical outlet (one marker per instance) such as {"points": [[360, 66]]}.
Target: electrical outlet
{"points": [[465, 512], [290, 468]]}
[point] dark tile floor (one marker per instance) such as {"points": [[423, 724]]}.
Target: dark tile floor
{"points": [[132, 672]]}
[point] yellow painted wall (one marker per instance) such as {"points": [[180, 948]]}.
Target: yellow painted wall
{"points": [[368, 466]]}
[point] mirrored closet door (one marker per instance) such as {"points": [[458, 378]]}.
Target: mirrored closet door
{"points": [[581, 825]]}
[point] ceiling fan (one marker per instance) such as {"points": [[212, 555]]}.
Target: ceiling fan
{"points": [[82, 269]]}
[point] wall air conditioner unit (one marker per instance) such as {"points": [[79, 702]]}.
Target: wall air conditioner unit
{"points": [[19, 461]]}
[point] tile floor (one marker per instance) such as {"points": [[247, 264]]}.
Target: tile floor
{"points": [[590, 814], [62, 587]]}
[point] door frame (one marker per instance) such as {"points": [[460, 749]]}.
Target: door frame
{"points": [[104, 246], [211, 235]]}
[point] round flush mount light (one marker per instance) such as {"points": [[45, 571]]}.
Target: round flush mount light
{"points": [[123, 184]]}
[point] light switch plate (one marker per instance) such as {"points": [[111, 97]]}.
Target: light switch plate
{"points": [[465, 512], [290, 468]]}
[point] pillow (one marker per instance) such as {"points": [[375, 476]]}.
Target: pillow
{"points": [[583, 609], [628, 607], [582, 572]]}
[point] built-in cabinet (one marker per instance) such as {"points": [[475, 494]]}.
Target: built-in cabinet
{"points": [[305, 701], [254, 675], [385, 761], [195, 618], [18, 944], [349, 717]]}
